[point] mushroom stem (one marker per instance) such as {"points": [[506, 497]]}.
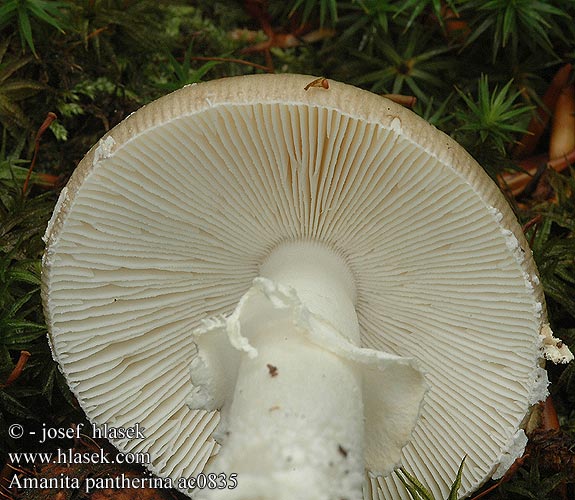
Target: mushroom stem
{"points": [[294, 430], [322, 280], [288, 376]]}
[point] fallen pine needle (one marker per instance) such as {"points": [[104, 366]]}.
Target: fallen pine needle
{"points": [[408, 101], [516, 182], [318, 82], [17, 371], [537, 125], [562, 138], [50, 117]]}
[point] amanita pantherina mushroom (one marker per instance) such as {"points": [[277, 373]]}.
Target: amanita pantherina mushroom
{"points": [[296, 266]]}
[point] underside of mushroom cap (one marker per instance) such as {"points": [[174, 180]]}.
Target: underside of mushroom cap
{"points": [[168, 219]]}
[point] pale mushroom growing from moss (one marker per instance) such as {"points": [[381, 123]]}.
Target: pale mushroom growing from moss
{"points": [[303, 287]]}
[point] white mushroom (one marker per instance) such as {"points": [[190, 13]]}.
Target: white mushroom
{"points": [[295, 262]]}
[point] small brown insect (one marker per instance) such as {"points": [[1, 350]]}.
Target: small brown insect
{"points": [[318, 82], [342, 451], [273, 370]]}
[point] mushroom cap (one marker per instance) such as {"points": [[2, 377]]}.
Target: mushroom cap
{"points": [[167, 219]]}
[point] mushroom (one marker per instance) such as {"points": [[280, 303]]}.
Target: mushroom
{"points": [[267, 280]]}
